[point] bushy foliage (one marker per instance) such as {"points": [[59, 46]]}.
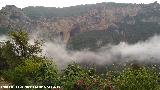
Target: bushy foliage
{"points": [[132, 77], [136, 79], [76, 77], [22, 63], [15, 50]]}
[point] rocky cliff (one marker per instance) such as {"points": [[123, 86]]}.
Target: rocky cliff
{"points": [[98, 17]]}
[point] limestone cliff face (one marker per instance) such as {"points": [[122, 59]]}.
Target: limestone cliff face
{"points": [[97, 18], [51, 29], [101, 18]]}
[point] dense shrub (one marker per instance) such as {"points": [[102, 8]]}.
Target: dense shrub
{"points": [[23, 63], [136, 79]]}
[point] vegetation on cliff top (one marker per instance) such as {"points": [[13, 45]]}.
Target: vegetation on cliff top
{"points": [[50, 12]]}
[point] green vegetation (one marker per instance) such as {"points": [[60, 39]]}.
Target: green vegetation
{"points": [[130, 78], [93, 40], [50, 12], [22, 64], [130, 33], [136, 79]]}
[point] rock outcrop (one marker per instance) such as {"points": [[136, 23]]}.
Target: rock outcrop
{"points": [[99, 17]]}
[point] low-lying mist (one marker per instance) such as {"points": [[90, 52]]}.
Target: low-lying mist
{"points": [[143, 51], [3, 38]]}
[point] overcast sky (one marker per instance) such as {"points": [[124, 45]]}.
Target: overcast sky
{"points": [[63, 3]]}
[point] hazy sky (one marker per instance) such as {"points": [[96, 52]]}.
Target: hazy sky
{"points": [[63, 3]]}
